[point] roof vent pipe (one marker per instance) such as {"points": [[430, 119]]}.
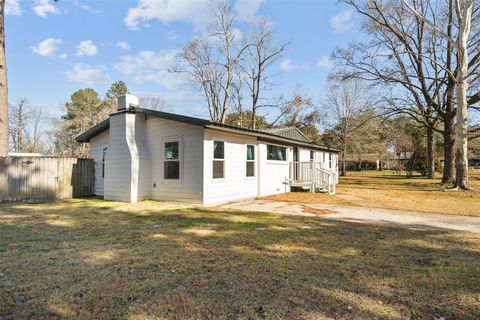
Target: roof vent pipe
{"points": [[126, 102]]}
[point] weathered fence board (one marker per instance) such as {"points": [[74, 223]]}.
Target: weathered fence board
{"points": [[44, 178]]}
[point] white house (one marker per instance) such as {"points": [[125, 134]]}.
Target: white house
{"points": [[147, 154]]}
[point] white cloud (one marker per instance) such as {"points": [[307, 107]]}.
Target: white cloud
{"points": [[195, 12], [247, 9], [85, 74], [149, 66], [123, 45], [288, 65], [47, 47], [43, 7], [192, 11], [12, 8], [325, 62], [342, 21], [86, 48]]}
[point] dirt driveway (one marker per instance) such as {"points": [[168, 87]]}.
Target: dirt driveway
{"points": [[381, 216]]}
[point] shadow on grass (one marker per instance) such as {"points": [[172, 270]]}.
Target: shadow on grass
{"points": [[93, 259]]}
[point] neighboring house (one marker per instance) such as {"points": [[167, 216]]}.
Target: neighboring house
{"points": [[374, 161], [147, 154]]}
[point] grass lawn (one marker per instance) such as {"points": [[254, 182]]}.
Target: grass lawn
{"points": [[90, 259], [388, 190]]}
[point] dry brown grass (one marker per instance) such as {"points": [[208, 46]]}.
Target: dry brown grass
{"points": [[411, 194], [387, 190], [90, 259]]}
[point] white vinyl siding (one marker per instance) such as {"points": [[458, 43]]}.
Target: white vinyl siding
{"points": [[189, 187], [97, 144], [127, 170], [235, 185], [272, 174]]}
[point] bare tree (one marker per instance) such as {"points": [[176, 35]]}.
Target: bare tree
{"points": [[414, 62], [212, 61], [347, 103], [154, 103], [463, 11], [261, 53], [26, 127], [17, 124], [3, 86], [4, 119]]}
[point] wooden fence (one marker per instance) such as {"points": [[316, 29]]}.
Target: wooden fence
{"points": [[45, 178]]}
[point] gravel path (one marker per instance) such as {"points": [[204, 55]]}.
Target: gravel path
{"points": [[380, 216]]}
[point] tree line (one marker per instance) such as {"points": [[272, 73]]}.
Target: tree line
{"points": [[409, 85]]}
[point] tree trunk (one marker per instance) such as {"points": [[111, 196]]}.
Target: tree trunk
{"points": [[430, 154], [3, 86], [254, 118], [343, 172], [448, 152], [461, 129]]}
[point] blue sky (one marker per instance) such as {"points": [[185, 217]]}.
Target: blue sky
{"points": [[55, 49]]}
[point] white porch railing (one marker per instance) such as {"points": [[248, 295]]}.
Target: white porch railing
{"points": [[313, 176]]}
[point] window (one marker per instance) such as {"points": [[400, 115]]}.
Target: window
{"points": [[330, 161], [276, 153], [250, 160], [171, 163], [312, 156], [103, 161], [218, 160]]}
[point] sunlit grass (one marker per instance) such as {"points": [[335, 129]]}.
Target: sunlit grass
{"points": [[386, 189], [163, 261]]}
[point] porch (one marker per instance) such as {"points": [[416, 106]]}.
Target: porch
{"points": [[314, 176]]}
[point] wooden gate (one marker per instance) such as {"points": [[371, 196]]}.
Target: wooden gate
{"points": [[45, 178]]}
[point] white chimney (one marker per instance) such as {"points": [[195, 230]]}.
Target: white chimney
{"points": [[126, 102]]}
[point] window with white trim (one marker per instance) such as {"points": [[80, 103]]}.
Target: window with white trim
{"points": [[250, 164], [276, 153], [171, 160], [103, 161], [218, 163], [312, 156]]}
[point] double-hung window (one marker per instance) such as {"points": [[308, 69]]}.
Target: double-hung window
{"points": [[312, 156], [250, 169], [171, 161], [104, 154], [218, 164]]}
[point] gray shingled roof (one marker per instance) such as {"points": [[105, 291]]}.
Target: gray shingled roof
{"points": [[274, 135]]}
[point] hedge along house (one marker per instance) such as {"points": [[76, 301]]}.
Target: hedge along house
{"points": [[147, 154]]}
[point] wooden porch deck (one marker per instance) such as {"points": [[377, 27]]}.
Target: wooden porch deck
{"points": [[313, 176]]}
